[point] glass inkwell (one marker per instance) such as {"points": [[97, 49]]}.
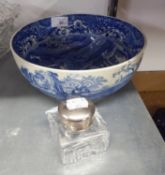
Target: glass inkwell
{"points": [[80, 130]]}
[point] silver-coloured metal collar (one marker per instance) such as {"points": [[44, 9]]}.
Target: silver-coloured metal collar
{"points": [[76, 113]]}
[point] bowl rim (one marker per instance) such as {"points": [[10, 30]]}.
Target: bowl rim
{"points": [[77, 70]]}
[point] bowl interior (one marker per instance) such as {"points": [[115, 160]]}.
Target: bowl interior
{"points": [[78, 42]]}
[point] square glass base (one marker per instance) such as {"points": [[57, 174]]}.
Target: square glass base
{"points": [[90, 143]]}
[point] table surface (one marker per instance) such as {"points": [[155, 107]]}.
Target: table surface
{"points": [[27, 147]]}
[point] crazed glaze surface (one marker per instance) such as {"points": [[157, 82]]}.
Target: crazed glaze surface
{"points": [[75, 55]]}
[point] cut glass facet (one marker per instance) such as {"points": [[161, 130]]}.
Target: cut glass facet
{"points": [[80, 145]]}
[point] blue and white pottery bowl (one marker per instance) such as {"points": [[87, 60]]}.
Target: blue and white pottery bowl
{"points": [[78, 55]]}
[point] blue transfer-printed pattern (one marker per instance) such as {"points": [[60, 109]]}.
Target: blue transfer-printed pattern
{"points": [[83, 86], [125, 72], [86, 42], [49, 83], [73, 85]]}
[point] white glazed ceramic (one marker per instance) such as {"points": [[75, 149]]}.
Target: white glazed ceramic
{"points": [[91, 83]]}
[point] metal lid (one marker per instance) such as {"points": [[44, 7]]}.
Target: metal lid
{"points": [[76, 113]]}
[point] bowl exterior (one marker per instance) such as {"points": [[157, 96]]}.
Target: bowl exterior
{"points": [[92, 84]]}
